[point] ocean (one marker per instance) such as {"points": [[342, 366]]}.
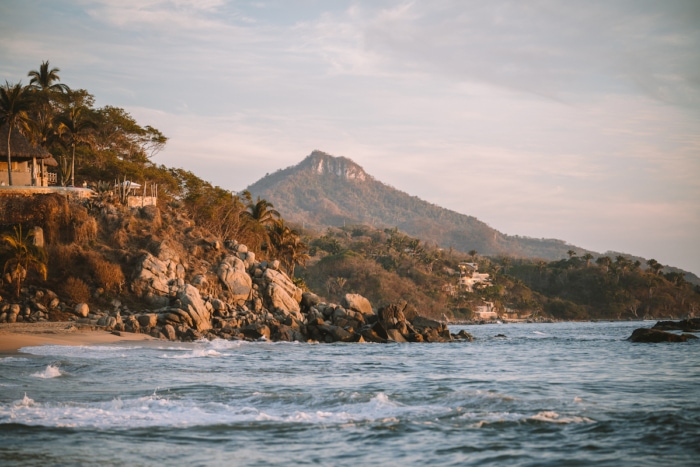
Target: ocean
{"points": [[560, 394]]}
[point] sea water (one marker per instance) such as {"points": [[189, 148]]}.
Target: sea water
{"points": [[562, 394]]}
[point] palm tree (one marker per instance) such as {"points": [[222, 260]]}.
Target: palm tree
{"points": [[45, 79], [588, 257], [23, 256], [262, 212], [73, 125], [287, 243], [43, 83], [13, 112], [261, 217]]}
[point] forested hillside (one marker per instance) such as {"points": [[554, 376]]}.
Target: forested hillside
{"points": [[324, 191]]}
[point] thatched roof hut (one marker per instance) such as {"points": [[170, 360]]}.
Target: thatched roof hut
{"points": [[21, 148]]}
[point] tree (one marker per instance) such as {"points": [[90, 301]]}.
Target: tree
{"points": [[588, 257], [23, 257], [46, 79], [655, 266], [288, 246], [14, 106], [261, 217], [73, 126], [43, 86]]}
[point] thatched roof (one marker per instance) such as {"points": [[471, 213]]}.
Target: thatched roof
{"points": [[51, 162], [20, 147]]}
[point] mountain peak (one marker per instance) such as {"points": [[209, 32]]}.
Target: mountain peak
{"points": [[324, 164]]}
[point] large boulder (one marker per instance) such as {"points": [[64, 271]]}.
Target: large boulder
{"points": [[358, 303], [194, 306], [283, 281], [391, 316], [82, 310], [280, 300], [156, 276], [655, 336], [232, 273]]}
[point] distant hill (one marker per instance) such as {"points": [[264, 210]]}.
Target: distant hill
{"points": [[324, 191]]}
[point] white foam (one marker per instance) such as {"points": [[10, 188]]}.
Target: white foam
{"points": [[553, 417], [51, 371], [155, 410]]}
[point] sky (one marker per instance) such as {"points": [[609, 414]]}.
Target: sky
{"points": [[548, 119]]}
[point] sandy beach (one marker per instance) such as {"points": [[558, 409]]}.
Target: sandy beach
{"points": [[14, 336]]}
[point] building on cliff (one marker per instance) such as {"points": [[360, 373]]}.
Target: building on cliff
{"points": [[29, 163], [470, 278]]}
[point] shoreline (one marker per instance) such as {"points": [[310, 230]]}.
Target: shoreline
{"points": [[14, 336]]}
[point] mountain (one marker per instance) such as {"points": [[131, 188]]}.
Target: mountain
{"points": [[324, 191]]}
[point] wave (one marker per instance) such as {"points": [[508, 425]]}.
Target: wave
{"points": [[157, 411], [51, 371]]}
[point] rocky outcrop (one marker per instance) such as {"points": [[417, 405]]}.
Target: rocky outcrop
{"points": [[655, 336], [686, 325]]}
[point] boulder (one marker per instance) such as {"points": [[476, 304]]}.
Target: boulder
{"points": [[270, 276], [169, 332], [82, 310], [232, 273], [280, 300], [156, 276], [655, 336], [421, 323], [309, 300], [390, 316], [358, 303], [36, 235], [395, 335], [687, 325], [194, 306], [148, 320]]}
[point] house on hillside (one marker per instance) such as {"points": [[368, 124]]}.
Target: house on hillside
{"points": [[29, 163], [470, 278]]}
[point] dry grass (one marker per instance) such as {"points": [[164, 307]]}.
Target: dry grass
{"points": [[107, 274], [76, 290]]}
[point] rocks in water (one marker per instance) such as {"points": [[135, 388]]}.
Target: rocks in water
{"points": [[655, 336], [686, 325]]}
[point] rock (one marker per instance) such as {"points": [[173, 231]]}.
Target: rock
{"points": [[336, 333], [256, 331], [148, 320], [395, 335], [421, 323], [309, 300], [156, 276], [232, 273], [687, 325], [464, 335], [358, 303], [82, 310], [282, 280], [280, 300], [169, 332], [390, 316], [193, 305], [36, 235], [655, 336]]}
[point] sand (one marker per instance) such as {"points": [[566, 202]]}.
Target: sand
{"points": [[14, 336]]}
